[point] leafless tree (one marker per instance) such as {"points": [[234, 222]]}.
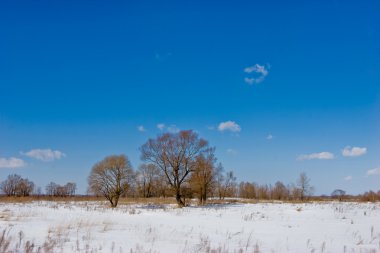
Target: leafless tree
{"points": [[148, 176], [110, 177], [203, 176], [175, 154], [15, 185], [303, 184], [10, 185], [56, 190], [229, 185], [24, 187], [219, 180], [279, 191], [247, 190], [338, 193]]}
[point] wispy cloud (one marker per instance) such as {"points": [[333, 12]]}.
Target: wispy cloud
{"points": [[258, 69], [375, 171], [231, 151], [320, 156], [173, 129], [46, 155], [161, 126], [347, 178], [354, 151], [270, 137], [141, 128], [11, 163], [229, 126]]}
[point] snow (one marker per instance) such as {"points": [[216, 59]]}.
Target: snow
{"points": [[262, 227]]}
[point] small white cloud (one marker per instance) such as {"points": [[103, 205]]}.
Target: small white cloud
{"points": [[354, 151], [231, 151], [173, 129], [45, 155], [320, 156], [259, 69], [375, 171], [347, 178], [141, 129], [161, 126], [211, 128], [229, 126], [11, 163], [270, 137]]}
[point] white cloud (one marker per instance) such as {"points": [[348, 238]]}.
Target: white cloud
{"points": [[229, 126], [173, 129], [259, 69], [161, 126], [375, 171], [270, 137], [141, 129], [211, 128], [45, 155], [354, 151], [11, 163], [347, 178], [231, 151], [321, 156]]}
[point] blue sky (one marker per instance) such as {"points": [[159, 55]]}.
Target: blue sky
{"points": [[295, 85]]}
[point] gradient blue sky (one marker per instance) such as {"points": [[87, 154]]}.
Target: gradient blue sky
{"points": [[80, 77]]}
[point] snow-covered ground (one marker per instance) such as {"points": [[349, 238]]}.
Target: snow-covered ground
{"points": [[265, 227]]}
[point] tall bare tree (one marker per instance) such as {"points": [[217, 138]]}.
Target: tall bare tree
{"points": [[110, 178], [175, 154], [303, 184], [203, 176], [10, 185]]}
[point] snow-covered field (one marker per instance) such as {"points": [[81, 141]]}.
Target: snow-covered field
{"points": [[265, 227]]}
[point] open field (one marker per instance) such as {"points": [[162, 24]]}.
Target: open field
{"points": [[91, 226]]}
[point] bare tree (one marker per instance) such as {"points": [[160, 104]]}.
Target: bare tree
{"points": [[279, 191], [10, 185], [110, 177], [303, 183], [229, 186], [51, 189], [175, 155], [338, 193], [24, 187], [203, 176], [247, 190], [219, 180], [15, 185], [56, 190], [147, 177]]}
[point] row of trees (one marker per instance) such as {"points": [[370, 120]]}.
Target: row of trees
{"points": [[299, 191], [182, 165], [15, 185]]}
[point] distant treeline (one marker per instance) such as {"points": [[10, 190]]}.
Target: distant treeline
{"points": [[179, 165]]}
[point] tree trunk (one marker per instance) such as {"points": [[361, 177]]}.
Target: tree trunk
{"points": [[178, 199]]}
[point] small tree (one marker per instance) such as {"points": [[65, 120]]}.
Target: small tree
{"points": [[147, 177], [338, 193], [10, 185], [110, 177], [229, 185], [305, 189], [202, 178], [279, 191], [24, 187]]}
